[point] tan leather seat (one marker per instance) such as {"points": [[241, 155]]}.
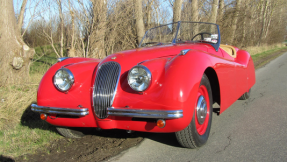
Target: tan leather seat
{"points": [[229, 49]]}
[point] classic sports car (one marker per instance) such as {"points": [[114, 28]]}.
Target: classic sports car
{"points": [[168, 84]]}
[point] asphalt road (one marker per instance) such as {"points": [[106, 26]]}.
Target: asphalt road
{"points": [[251, 130]]}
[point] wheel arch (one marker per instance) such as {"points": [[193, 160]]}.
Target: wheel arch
{"points": [[213, 80]]}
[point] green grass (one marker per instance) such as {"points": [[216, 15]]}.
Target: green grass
{"points": [[43, 59], [21, 130], [22, 139], [264, 54]]}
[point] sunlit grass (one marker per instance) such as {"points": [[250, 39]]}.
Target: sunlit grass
{"points": [[21, 139], [266, 53], [254, 50]]}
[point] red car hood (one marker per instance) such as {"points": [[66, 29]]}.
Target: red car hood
{"points": [[138, 55]]}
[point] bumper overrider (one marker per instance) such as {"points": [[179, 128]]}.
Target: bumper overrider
{"points": [[138, 113]]}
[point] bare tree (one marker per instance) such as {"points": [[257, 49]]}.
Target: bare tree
{"points": [[60, 8], [234, 21], [221, 10], [149, 11], [98, 29], [21, 15], [213, 14], [15, 54], [194, 10], [177, 10], [139, 19], [72, 52]]}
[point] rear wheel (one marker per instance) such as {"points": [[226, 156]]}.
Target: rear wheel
{"points": [[246, 95], [197, 132], [70, 132]]}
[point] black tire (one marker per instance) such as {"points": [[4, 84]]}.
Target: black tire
{"points": [[70, 132], [190, 137], [246, 95]]}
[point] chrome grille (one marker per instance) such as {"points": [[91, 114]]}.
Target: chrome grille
{"points": [[105, 87]]}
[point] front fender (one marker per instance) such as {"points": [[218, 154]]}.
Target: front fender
{"points": [[175, 83], [77, 96], [182, 80]]}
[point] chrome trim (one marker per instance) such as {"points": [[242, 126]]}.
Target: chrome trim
{"points": [[141, 113], [62, 59], [148, 74], [71, 77], [201, 110], [103, 92], [115, 91], [60, 111], [183, 52]]}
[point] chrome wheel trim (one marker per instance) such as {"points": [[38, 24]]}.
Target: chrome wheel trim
{"points": [[201, 110]]}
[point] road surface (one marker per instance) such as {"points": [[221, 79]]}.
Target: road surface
{"points": [[251, 130]]}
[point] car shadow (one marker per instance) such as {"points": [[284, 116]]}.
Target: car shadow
{"points": [[164, 138], [5, 159], [32, 120]]}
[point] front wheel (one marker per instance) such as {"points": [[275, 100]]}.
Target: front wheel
{"points": [[70, 132], [197, 132]]}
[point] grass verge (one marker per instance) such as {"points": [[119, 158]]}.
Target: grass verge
{"points": [[21, 130], [261, 59]]}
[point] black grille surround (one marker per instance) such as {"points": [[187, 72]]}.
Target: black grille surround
{"points": [[105, 87]]}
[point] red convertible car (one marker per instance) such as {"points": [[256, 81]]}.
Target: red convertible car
{"points": [[168, 84]]}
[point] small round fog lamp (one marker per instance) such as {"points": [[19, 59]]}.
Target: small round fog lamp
{"points": [[43, 116], [160, 123]]}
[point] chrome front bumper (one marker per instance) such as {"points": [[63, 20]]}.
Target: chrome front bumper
{"points": [[60, 111], [140, 113]]}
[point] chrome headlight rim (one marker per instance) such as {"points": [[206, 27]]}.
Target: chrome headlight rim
{"points": [[149, 75], [71, 78]]}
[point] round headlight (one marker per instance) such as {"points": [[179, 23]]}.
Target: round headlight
{"points": [[63, 79], [139, 78]]}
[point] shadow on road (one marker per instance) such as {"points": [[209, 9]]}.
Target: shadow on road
{"points": [[164, 138]]}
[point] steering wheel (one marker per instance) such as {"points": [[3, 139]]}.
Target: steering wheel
{"points": [[201, 34]]}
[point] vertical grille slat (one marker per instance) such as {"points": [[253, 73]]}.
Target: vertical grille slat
{"points": [[105, 87]]}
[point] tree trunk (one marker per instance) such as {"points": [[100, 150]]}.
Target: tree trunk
{"points": [[221, 10], [177, 10], [213, 15], [21, 15], [264, 14], [97, 39], [234, 22], [61, 28], [139, 19], [15, 55], [176, 13], [149, 9], [72, 51], [194, 10]]}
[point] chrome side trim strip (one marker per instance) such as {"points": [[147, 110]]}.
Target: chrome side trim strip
{"points": [[141, 113], [61, 111], [62, 59]]}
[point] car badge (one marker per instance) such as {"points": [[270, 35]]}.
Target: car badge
{"points": [[113, 58]]}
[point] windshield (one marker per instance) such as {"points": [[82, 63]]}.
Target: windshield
{"points": [[182, 32]]}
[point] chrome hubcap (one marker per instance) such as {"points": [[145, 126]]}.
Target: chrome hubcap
{"points": [[201, 110]]}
